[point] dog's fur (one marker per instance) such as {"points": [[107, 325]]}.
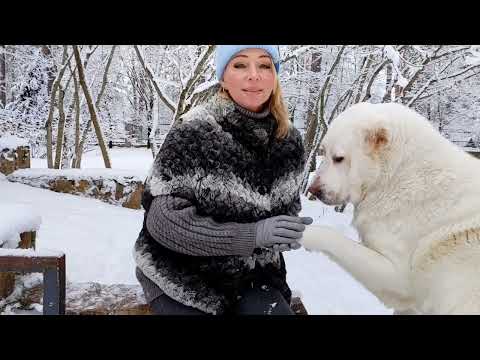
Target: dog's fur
{"points": [[417, 209]]}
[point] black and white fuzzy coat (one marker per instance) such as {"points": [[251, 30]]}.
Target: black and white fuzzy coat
{"points": [[227, 164]]}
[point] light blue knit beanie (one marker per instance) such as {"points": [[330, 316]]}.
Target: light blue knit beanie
{"points": [[225, 52]]}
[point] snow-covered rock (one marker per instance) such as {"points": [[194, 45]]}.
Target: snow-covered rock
{"points": [[113, 186]]}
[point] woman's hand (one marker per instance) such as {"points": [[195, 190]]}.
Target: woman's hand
{"points": [[281, 232]]}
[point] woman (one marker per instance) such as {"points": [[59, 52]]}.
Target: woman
{"points": [[222, 199]]}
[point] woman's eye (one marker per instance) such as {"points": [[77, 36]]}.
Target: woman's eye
{"points": [[238, 66], [265, 66], [338, 159]]}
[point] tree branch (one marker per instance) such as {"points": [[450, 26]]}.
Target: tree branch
{"points": [[168, 103]]}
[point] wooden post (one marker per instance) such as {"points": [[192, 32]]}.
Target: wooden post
{"points": [[7, 284], [7, 279], [53, 269], [27, 240], [14, 159], [23, 157]]}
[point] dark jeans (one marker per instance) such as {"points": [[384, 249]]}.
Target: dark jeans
{"points": [[256, 301]]}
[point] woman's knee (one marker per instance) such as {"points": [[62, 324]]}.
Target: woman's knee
{"points": [[265, 300], [164, 305]]}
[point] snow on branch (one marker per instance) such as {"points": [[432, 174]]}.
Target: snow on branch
{"points": [[199, 66], [296, 53], [164, 97]]}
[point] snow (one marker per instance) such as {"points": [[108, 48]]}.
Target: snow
{"points": [[30, 253], [11, 142], [205, 86], [15, 219], [98, 239], [79, 174], [402, 81], [474, 57], [122, 158], [392, 54]]}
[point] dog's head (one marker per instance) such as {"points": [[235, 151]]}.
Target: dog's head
{"points": [[353, 152]]}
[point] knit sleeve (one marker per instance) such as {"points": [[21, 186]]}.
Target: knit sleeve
{"points": [[174, 223]]}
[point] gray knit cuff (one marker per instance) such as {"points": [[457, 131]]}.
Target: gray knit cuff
{"points": [[244, 242]]}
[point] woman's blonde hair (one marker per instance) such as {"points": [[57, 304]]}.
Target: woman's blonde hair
{"points": [[277, 107]]}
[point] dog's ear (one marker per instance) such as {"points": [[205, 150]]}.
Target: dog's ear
{"points": [[376, 139]]}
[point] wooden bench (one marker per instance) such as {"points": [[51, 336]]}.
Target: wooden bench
{"points": [[52, 265]]}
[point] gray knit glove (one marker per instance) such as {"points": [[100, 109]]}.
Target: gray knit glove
{"points": [[282, 233]]}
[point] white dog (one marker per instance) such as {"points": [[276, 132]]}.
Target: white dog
{"points": [[417, 209]]}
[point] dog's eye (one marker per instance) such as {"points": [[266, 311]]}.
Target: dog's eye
{"points": [[338, 159]]}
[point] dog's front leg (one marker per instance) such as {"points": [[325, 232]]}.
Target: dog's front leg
{"points": [[372, 269]]}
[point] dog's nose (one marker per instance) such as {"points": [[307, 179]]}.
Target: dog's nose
{"points": [[314, 188]]}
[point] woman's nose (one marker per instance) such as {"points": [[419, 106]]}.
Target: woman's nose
{"points": [[253, 73]]}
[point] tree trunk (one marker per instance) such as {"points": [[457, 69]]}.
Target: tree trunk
{"points": [[321, 128], [79, 148], [66, 149], [48, 124], [61, 128], [312, 123], [3, 76], [168, 103], [182, 107], [389, 85], [367, 62], [51, 69], [77, 123], [91, 107]]}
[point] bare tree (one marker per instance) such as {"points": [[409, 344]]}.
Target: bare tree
{"points": [[320, 118], [189, 94], [312, 121], [61, 127], [61, 143], [157, 84], [79, 149], [55, 86], [91, 107], [77, 153]]}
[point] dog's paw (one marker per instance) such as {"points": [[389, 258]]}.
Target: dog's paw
{"points": [[315, 237]]}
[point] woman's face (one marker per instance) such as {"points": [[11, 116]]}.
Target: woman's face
{"points": [[249, 78]]}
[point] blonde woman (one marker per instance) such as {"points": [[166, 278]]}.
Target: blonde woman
{"points": [[222, 199]]}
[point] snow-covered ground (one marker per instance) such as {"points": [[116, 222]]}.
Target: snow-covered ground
{"points": [[98, 238]]}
